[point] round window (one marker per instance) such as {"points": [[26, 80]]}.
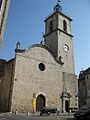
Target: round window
{"points": [[41, 66]]}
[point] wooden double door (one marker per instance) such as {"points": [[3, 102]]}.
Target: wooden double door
{"points": [[40, 102]]}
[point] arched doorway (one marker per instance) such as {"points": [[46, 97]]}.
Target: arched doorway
{"points": [[67, 106], [40, 102]]}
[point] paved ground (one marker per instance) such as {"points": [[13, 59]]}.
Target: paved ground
{"points": [[8, 116]]}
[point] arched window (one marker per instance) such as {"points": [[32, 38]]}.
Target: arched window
{"points": [[65, 25], [51, 26]]}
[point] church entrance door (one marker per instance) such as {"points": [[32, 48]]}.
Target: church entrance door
{"points": [[67, 106], [40, 102]]}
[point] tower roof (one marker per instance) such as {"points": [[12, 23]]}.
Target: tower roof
{"points": [[58, 9]]}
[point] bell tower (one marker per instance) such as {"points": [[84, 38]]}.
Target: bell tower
{"points": [[58, 37]]}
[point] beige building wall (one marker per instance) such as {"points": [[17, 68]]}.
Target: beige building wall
{"points": [[3, 16], [67, 57], [29, 79], [71, 85], [23, 78]]}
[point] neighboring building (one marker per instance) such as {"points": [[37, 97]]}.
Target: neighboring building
{"points": [[2, 71], [2, 67], [6, 85], [4, 6], [45, 71], [84, 87]]}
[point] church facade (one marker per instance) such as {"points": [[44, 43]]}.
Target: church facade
{"points": [[45, 71]]}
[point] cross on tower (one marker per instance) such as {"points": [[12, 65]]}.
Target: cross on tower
{"points": [[57, 7]]}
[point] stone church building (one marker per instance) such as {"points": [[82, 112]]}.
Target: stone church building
{"points": [[44, 70]]}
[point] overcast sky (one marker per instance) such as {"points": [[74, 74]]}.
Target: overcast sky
{"points": [[25, 23]]}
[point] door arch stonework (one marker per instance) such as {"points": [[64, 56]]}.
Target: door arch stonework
{"points": [[66, 101]]}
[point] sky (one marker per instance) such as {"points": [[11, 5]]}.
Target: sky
{"points": [[25, 23]]}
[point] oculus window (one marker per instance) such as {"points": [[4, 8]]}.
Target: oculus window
{"points": [[41, 66]]}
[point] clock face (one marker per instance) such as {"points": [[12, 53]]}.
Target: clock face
{"points": [[66, 48]]}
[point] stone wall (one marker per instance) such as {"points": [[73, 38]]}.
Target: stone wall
{"points": [[7, 86], [30, 79]]}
